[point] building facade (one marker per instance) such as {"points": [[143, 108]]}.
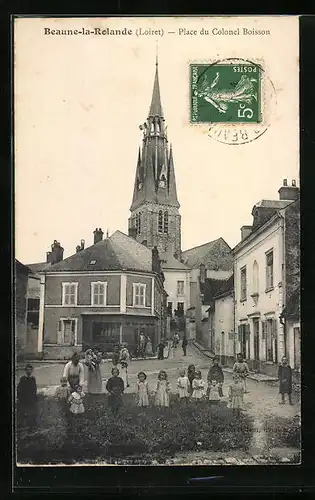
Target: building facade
{"points": [[100, 296], [260, 284]]}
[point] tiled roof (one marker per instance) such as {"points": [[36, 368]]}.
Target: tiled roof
{"points": [[226, 287], [278, 204], [117, 252], [39, 266], [209, 289], [214, 254], [170, 262], [22, 267]]}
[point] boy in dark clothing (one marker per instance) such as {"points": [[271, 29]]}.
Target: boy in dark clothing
{"points": [[285, 380], [161, 350], [216, 373], [184, 345], [115, 387], [27, 398]]}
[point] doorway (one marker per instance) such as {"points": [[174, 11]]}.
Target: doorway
{"points": [[256, 343]]}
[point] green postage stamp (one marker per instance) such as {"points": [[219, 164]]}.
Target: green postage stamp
{"points": [[225, 92]]}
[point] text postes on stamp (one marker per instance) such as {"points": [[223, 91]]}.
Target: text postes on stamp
{"points": [[225, 92]]}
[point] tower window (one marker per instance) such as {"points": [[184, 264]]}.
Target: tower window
{"points": [[138, 223], [160, 222], [165, 222], [162, 182]]}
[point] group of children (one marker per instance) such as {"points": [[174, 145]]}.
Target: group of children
{"points": [[188, 387]]}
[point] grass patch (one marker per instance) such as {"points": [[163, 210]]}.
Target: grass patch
{"points": [[283, 432], [137, 434]]}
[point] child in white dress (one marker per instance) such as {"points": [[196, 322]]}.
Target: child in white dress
{"points": [[163, 388], [214, 392], [236, 392], [76, 401], [198, 386], [142, 390], [183, 386]]}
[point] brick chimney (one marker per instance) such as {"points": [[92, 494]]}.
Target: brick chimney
{"points": [[132, 232], [98, 235], [48, 256], [289, 192], [203, 273], [80, 247], [56, 252], [245, 231]]}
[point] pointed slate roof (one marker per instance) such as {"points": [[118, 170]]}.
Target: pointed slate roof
{"points": [[118, 252], [156, 106]]}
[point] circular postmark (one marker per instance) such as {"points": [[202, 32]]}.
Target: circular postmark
{"points": [[236, 99]]}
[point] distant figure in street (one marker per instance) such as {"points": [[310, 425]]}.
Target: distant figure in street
{"points": [[216, 373], [163, 388], [184, 344], [285, 380], [183, 385], [214, 391], [27, 398], [160, 348], [191, 373], [115, 387], [76, 401], [124, 360], [236, 391], [62, 395], [241, 368], [94, 378], [198, 386], [148, 348], [142, 345], [115, 356], [142, 390], [74, 372], [175, 340]]}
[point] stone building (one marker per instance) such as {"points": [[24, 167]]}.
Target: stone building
{"points": [[266, 275], [102, 295]]}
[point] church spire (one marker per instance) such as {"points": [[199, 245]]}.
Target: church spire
{"points": [[172, 191], [156, 106]]}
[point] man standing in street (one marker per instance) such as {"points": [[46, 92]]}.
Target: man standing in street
{"points": [[184, 344]]}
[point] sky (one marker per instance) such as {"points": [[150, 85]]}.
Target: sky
{"points": [[79, 101]]}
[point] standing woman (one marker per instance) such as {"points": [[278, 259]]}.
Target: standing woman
{"points": [[94, 378], [124, 361], [148, 348], [74, 372]]}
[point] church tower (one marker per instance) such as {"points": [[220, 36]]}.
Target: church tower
{"points": [[155, 218]]}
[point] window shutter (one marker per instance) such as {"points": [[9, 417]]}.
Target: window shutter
{"points": [[264, 329], [274, 328], [247, 331], [239, 328]]}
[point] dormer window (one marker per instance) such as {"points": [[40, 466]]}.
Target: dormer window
{"points": [[92, 262]]}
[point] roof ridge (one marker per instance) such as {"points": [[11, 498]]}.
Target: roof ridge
{"points": [[202, 245]]}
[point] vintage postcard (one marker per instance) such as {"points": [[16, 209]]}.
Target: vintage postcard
{"points": [[157, 237]]}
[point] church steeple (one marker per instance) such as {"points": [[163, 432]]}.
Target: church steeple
{"points": [[156, 106], [155, 201]]}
